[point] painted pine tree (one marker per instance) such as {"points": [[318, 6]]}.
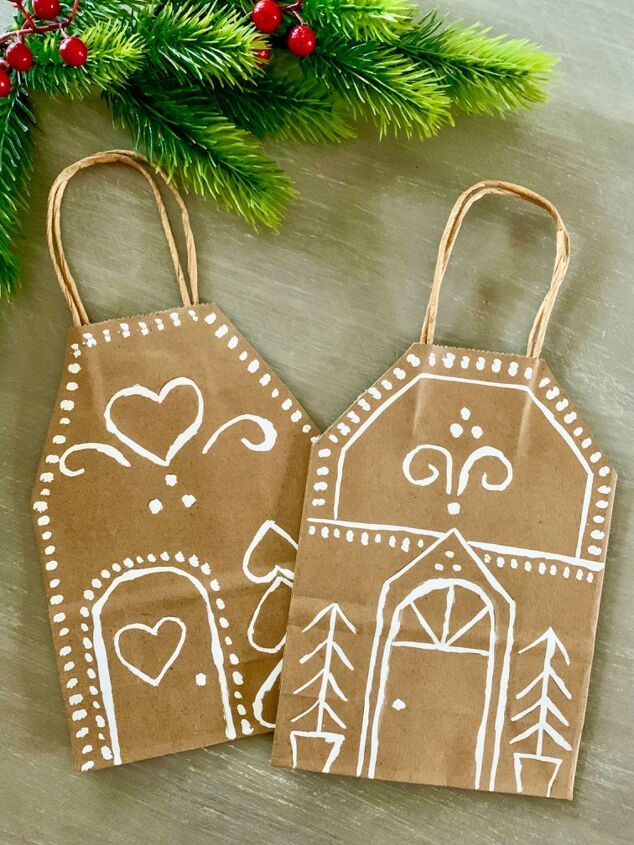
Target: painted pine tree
{"points": [[545, 712], [330, 652]]}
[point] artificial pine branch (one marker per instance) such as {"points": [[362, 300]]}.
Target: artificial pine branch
{"points": [[16, 122], [482, 74], [202, 150], [361, 20], [379, 83], [116, 52], [286, 108], [196, 86], [93, 11], [201, 41]]}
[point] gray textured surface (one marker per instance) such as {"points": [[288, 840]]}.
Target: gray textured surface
{"points": [[331, 302]]}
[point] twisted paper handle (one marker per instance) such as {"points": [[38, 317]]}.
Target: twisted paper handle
{"points": [[54, 231], [562, 257]]}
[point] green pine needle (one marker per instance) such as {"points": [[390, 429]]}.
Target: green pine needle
{"points": [[207, 43], [482, 74], [286, 109], [115, 53], [95, 11], [183, 77], [379, 83], [16, 123], [202, 150], [361, 20]]}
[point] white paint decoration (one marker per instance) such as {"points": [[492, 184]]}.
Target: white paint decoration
{"points": [[101, 654], [434, 473], [276, 570], [266, 687], [102, 448], [278, 577], [522, 388], [153, 631], [544, 708], [182, 437], [386, 631], [268, 430], [583, 563], [330, 738], [477, 455], [278, 583], [480, 454], [155, 506], [332, 614]]}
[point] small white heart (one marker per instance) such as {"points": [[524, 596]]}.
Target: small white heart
{"points": [[188, 500], [153, 632]]}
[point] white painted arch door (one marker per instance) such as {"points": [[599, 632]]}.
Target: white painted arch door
{"points": [[160, 664], [436, 685]]}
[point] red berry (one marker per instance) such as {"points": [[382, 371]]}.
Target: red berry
{"points": [[262, 56], [73, 51], [301, 40], [19, 57], [5, 83], [47, 10], [266, 15]]}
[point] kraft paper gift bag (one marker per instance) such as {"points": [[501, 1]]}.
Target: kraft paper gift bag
{"points": [[166, 509], [449, 570]]}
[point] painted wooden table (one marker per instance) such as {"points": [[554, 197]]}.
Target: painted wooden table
{"points": [[332, 301]]}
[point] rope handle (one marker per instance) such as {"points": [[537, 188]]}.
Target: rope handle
{"points": [[54, 230], [458, 212]]}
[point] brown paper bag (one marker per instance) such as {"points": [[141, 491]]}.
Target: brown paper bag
{"points": [[166, 509], [449, 570]]}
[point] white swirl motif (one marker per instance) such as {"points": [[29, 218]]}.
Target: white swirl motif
{"points": [[102, 448], [268, 430]]}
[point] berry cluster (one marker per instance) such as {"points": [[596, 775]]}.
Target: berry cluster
{"points": [[18, 56], [267, 17]]}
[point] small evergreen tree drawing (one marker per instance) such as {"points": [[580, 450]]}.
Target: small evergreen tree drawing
{"points": [[325, 683], [546, 711]]}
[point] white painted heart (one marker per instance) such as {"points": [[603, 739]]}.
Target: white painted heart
{"points": [[276, 570], [139, 390], [153, 632]]}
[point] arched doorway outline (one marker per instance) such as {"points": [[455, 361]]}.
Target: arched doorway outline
{"points": [[505, 616], [101, 654], [418, 592]]}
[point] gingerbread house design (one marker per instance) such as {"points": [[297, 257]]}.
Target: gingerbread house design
{"points": [[166, 509], [449, 574]]}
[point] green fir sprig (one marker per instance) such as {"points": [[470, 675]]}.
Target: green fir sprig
{"points": [[206, 43], [199, 147], [16, 123], [194, 85], [480, 73]]}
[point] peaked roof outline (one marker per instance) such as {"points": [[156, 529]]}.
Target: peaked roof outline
{"points": [[437, 546], [533, 377]]}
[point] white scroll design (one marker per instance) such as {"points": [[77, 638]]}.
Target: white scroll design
{"points": [[268, 430]]}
